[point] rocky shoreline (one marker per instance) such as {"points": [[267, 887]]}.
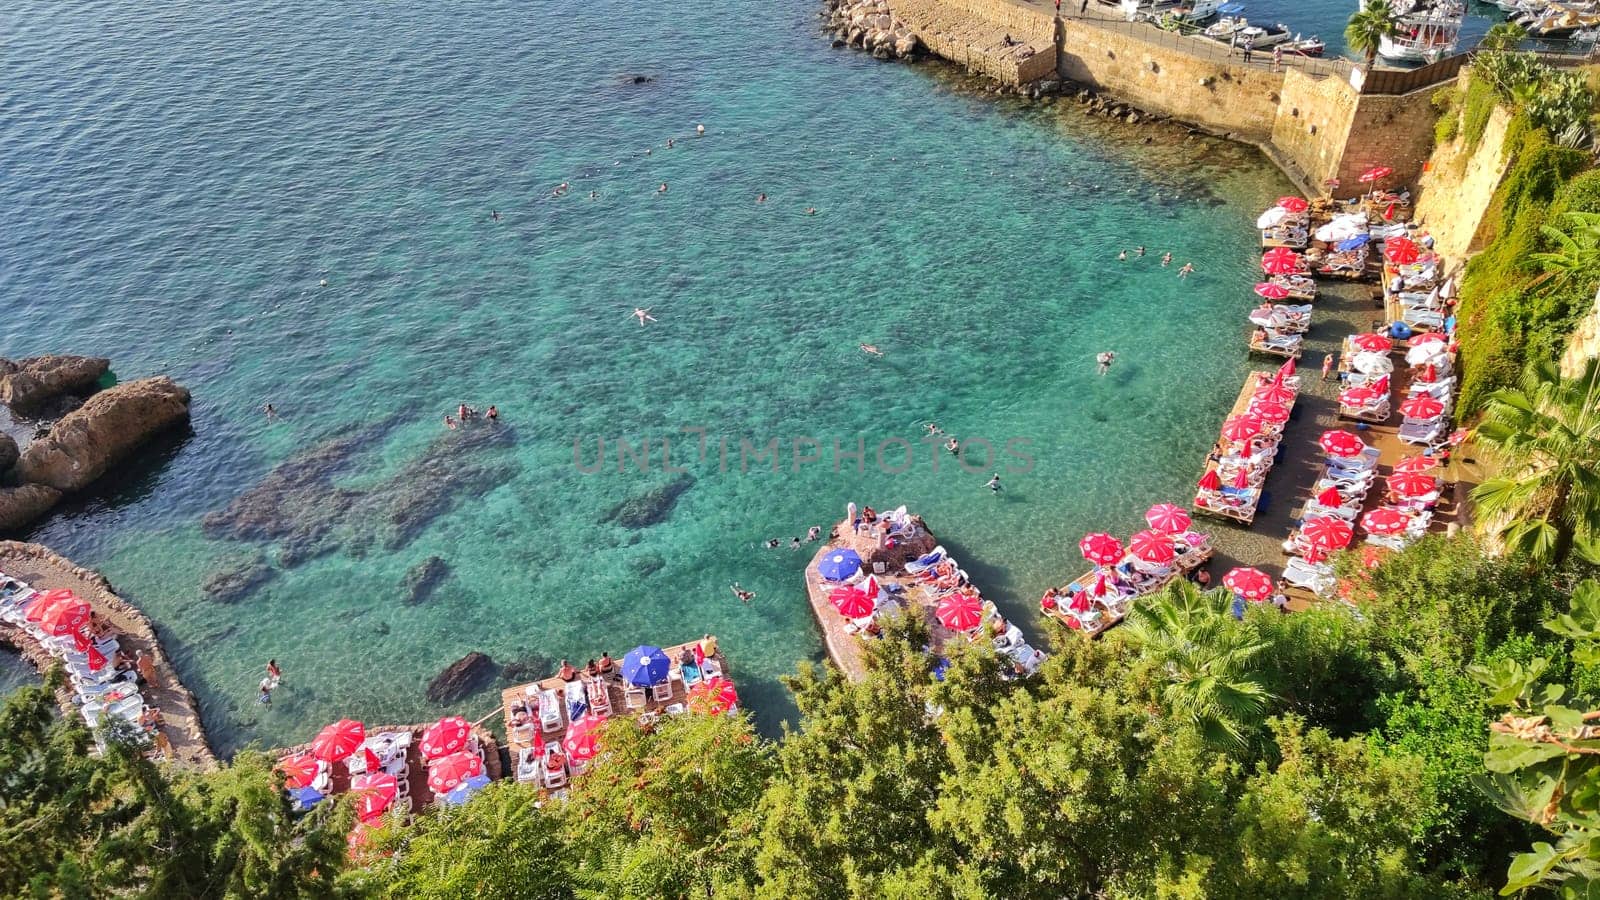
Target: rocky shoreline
{"points": [[871, 26]]}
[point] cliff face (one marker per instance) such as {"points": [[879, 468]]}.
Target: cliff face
{"points": [[1459, 185]]}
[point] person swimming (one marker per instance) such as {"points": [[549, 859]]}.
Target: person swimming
{"points": [[953, 445], [772, 544], [494, 214], [872, 349], [994, 484], [1139, 250], [643, 315], [492, 414], [1166, 260], [811, 210], [669, 143], [1104, 360], [933, 428], [761, 198], [814, 533], [662, 189], [794, 544], [741, 593], [1122, 256], [1186, 270], [594, 195], [450, 422]]}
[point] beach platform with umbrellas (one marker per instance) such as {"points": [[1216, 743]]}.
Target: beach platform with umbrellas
{"points": [[1233, 481], [1150, 560]]}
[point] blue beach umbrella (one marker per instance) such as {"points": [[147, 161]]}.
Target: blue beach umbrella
{"points": [[839, 565], [1352, 243], [306, 797], [645, 665], [464, 791]]}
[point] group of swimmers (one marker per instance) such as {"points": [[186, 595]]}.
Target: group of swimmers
{"points": [[813, 534], [1184, 271], [465, 414]]}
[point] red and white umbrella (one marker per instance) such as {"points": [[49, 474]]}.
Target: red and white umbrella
{"points": [[1294, 204], [1270, 413], [338, 740], [1330, 497], [1341, 443], [1210, 481], [298, 770], [1101, 549], [851, 602], [1274, 392], [1081, 602], [1280, 261], [41, 604], [1372, 342], [1271, 291], [66, 616], [1401, 251], [446, 773], [1422, 406], [1152, 547], [1251, 584], [1327, 532], [716, 694], [1359, 396], [582, 740], [1385, 520], [373, 793], [959, 612], [1413, 484], [1241, 428], [1416, 464], [445, 737], [1168, 518], [1376, 173], [1428, 337]]}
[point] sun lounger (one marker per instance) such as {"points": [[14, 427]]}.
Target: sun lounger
{"points": [[1318, 579], [1421, 434], [599, 697], [549, 710], [527, 765], [711, 668], [577, 699], [662, 692], [634, 696]]}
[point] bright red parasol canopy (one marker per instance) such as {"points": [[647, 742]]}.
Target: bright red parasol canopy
{"points": [[1270, 413], [1428, 337], [1081, 602], [1376, 173], [1271, 291], [1422, 406], [1330, 496], [1101, 548], [445, 774], [1274, 392], [298, 770], [1280, 261], [1241, 428], [338, 740], [1401, 250], [1294, 204], [1251, 584], [1152, 547], [959, 612], [64, 617], [1385, 520], [1168, 518], [1372, 342], [1359, 396], [851, 602], [716, 693], [42, 603], [1327, 532], [1415, 464], [1210, 481], [1241, 479], [583, 738], [1285, 371], [1412, 484], [445, 737], [1341, 443], [373, 794]]}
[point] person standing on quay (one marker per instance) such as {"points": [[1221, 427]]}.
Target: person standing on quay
{"points": [[1083, 9]]}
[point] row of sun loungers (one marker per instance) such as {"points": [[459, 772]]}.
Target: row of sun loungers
{"points": [[1099, 599], [1236, 471]]}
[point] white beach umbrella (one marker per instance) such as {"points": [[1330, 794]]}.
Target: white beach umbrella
{"points": [[1372, 363], [1425, 354]]}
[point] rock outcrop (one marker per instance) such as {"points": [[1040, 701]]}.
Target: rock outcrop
{"points": [[28, 384], [650, 508], [94, 437], [871, 26], [21, 505], [424, 578], [461, 677], [9, 454]]}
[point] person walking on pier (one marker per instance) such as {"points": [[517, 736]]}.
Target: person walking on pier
{"points": [[1249, 48]]}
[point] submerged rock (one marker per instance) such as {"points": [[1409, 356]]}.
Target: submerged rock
{"points": [[461, 677], [528, 668], [650, 508], [21, 505], [29, 383], [237, 579], [423, 578], [94, 437], [296, 502]]}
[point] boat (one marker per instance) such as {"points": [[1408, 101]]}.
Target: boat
{"points": [[1426, 31], [1262, 36], [1138, 10], [1311, 46], [1560, 22], [1223, 28], [1197, 11]]}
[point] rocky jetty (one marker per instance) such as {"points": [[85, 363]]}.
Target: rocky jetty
{"points": [[871, 26], [27, 385], [462, 677]]}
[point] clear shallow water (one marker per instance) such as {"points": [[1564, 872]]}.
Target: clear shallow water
{"points": [[179, 179]]}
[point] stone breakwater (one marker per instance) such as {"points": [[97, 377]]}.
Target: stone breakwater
{"points": [[871, 26]]}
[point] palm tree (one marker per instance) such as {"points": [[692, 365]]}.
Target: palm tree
{"points": [[1369, 27], [1545, 434], [1206, 656], [1576, 259]]}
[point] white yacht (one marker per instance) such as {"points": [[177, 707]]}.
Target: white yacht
{"points": [[1426, 30]]}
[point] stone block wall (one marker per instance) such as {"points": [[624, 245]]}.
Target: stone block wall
{"points": [[1394, 131], [1311, 124], [1211, 92], [972, 33]]}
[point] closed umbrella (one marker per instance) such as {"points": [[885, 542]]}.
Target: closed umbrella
{"points": [[1210, 481], [1412, 484], [1280, 261], [838, 565], [1401, 251], [1241, 479], [1152, 547], [959, 612], [1385, 520], [716, 695], [1372, 342], [1271, 291], [298, 770], [373, 794], [645, 665], [851, 602], [1251, 584], [338, 740], [1294, 204], [445, 773], [1422, 406], [582, 741], [1330, 497], [1081, 602], [1341, 443], [1284, 371], [1168, 518], [1101, 549], [1326, 532], [1241, 428], [445, 737]]}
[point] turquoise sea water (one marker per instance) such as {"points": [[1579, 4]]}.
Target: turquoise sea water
{"points": [[179, 179]]}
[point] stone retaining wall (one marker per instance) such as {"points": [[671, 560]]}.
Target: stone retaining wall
{"points": [[973, 33]]}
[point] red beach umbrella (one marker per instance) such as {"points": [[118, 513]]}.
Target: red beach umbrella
{"points": [[40, 604], [1330, 497], [1376, 173], [1081, 602], [582, 740], [298, 770], [445, 737], [1422, 406], [445, 773], [959, 612], [1168, 518], [1152, 547], [1284, 371], [1101, 549], [1385, 520], [96, 659], [1210, 481], [1241, 479], [1270, 413], [1412, 484], [716, 694], [1241, 428], [1372, 342], [1415, 464], [1294, 204], [1280, 261], [1327, 532], [1100, 584], [66, 616], [370, 760], [1251, 584], [1271, 291], [338, 740], [851, 602], [1428, 337], [373, 794], [1430, 374], [1359, 396], [1341, 443], [1273, 392], [1401, 251]]}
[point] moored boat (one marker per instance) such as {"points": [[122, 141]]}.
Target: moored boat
{"points": [[1426, 30]]}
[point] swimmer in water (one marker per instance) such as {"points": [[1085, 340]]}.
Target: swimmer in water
{"points": [[323, 283], [772, 544], [933, 428], [814, 533], [492, 414], [811, 210], [450, 423], [741, 593], [1138, 251], [594, 195], [1187, 268], [994, 484], [872, 349], [494, 214], [272, 414], [662, 189], [669, 143], [1122, 256], [953, 445], [794, 544], [761, 198], [1105, 359], [643, 315], [1166, 260]]}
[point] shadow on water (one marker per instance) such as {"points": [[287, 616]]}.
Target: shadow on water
{"points": [[130, 482]]}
